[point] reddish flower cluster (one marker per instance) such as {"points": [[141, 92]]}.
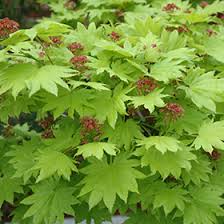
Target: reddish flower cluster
{"points": [[182, 29], [170, 7], [220, 15], [215, 155], [56, 40], [79, 62], [145, 85], [211, 32], [47, 134], [46, 124], [90, 130], [115, 36], [172, 111], [204, 4], [7, 26], [75, 47]]}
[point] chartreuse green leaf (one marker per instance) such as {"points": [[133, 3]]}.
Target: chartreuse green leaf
{"points": [[68, 101], [213, 47], [21, 76], [150, 101], [124, 134], [50, 162], [167, 70], [94, 85], [23, 158], [50, 200], [161, 143], [210, 136], [171, 198], [170, 163], [204, 89], [200, 171], [8, 187], [204, 207], [104, 181], [96, 149]]}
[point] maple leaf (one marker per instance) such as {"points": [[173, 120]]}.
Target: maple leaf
{"points": [[94, 85], [204, 206], [105, 181], [8, 187], [169, 162], [21, 76], [204, 89], [161, 143], [51, 199], [23, 158], [150, 101], [96, 149], [190, 121], [213, 47], [70, 101], [210, 136], [50, 162], [123, 134], [167, 70], [170, 198], [200, 171]]}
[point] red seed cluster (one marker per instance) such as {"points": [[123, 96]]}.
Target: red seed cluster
{"points": [[145, 85], [204, 4], [170, 7], [173, 111], [115, 36], [75, 47], [56, 40], [7, 26], [79, 62], [90, 129]]}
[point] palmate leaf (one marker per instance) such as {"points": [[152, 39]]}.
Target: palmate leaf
{"points": [[213, 47], [21, 76], [167, 70], [94, 85], [124, 133], [210, 136], [170, 198], [8, 187], [50, 162], [200, 171], [204, 89], [170, 163], [104, 181], [11, 107], [23, 158], [51, 199], [204, 206], [96, 149], [68, 101], [150, 101], [161, 143]]}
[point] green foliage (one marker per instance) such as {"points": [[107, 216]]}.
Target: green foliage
{"points": [[120, 110]]}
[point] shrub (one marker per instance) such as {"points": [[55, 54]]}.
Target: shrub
{"points": [[128, 118]]}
